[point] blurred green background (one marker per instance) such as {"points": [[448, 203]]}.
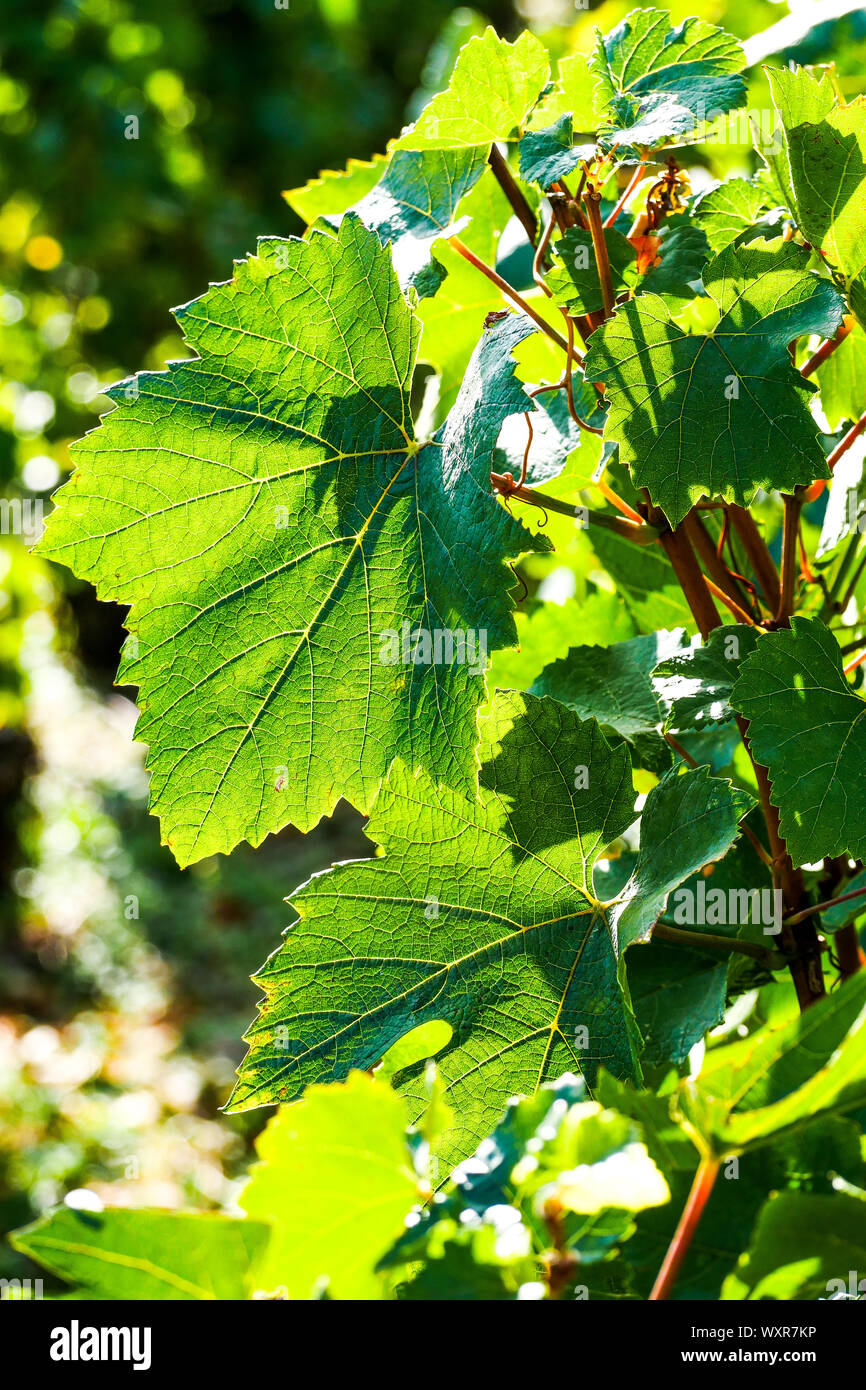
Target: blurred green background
{"points": [[142, 147]]}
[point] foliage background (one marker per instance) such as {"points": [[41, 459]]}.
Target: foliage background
{"points": [[123, 983]]}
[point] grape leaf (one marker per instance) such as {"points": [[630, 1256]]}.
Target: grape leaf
{"points": [[695, 685], [337, 1163], [729, 209], [478, 913], [493, 88], [804, 1247], [267, 513], [146, 1255], [677, 995], [544, 633], [808, 728], [549, 154], [682, 254], [415, 202], [335, 190], [823, 171], [572, 94], [689, 820], [614, 685], [721, 413], [658, 83]]}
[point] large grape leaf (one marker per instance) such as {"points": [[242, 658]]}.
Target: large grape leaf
{"points": [[481, 914], [275, 526], [658, 83], [493, 88], [822, 168], [146, 1255], [808, 728], [337, 1163], [720, 413]]}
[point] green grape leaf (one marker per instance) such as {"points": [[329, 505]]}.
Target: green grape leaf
{"points": [[694, 685], [729, 209], [268, 515], [336, 190], [788, 1074], [416, 202], [804, 1246], [549, 154], [822, 169], [846, 505], [721, 413], [658, 83], [493, 88], [808, 728], [683, 251], [336, 1163], [677, 995], [614, 685], [690, 819], [145, 1255], [479, 913], [840, 379]]}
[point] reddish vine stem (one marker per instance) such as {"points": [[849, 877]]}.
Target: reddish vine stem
{"points": [[506, 181], [702, 1186], [826, 349], [700, 940], [715, 567], [845, 443], [507, 487], [508, 290], [688, 572], [627, 192], [592, 203], [790, 566], [757, 554]]}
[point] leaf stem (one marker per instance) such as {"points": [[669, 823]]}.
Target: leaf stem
{"points": [[846, 441], [827, 348], [757, 554], [506, 289], [506, 181], [821, 907], [702, 1186], [592, 203], [627, 192], [774, 960], [506, 486], [790, 565]]}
